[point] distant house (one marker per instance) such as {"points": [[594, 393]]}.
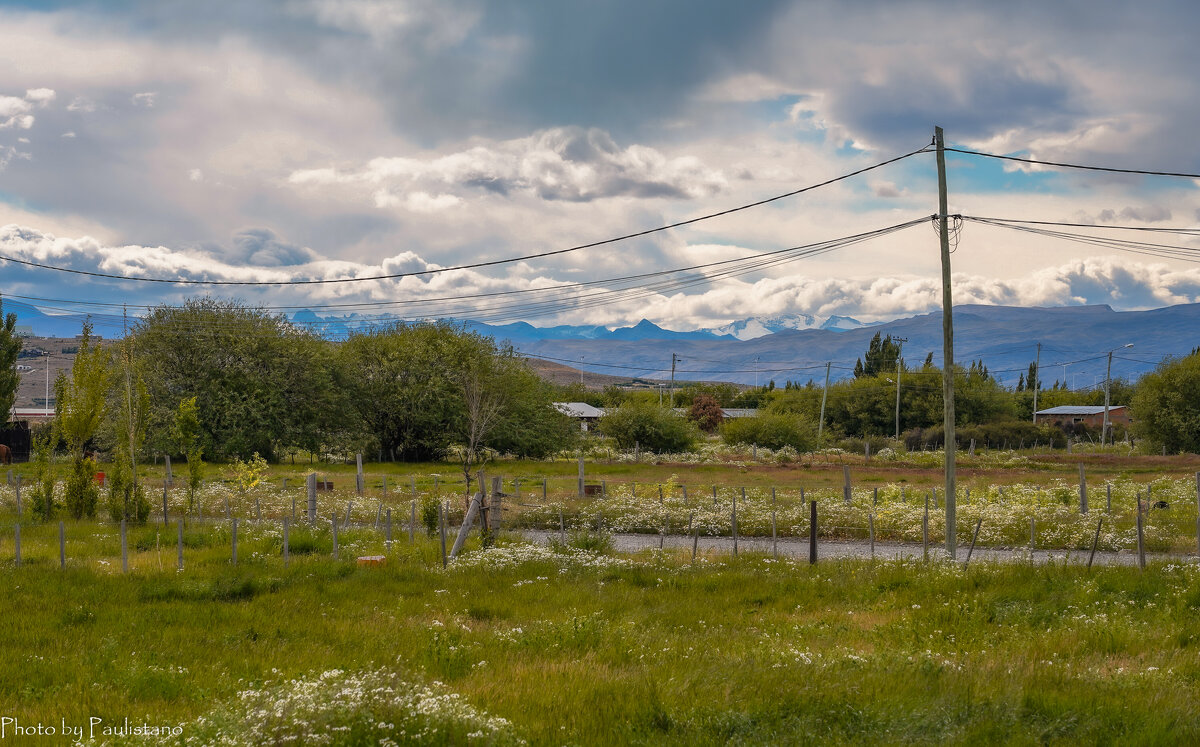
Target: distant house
{"points": [[1088, 415], [739, 412], [580, 411], [32, 414]]}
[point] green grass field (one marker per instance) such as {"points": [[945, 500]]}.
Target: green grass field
{"points": [[565, 646], [523, 643]]}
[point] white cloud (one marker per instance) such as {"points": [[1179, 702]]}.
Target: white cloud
{"points": [[81, 104], [14, 112], [145, 99], [68, 134], [41, 97], [195, 175], [560, 164]]}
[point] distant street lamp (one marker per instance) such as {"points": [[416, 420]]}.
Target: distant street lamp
{"points": [[1107, 379]]}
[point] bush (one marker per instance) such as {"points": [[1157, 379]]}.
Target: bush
{"points": [[429, 514], [649, 427], [1012, 434], [82, 494], [706, 413], [771, 431]]}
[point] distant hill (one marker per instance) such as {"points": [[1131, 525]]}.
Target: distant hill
{"points": [[1004, 337]]}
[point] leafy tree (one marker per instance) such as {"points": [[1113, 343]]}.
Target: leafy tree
{"points": [[651, 427], [1166, 405], [249, 474], [187, 440], [129, 405], [43, 470], [706, 413], [79, 408], [10, 349], [262, 383]]}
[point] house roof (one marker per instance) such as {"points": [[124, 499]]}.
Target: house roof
{"points": [[739, 412], [578, 409], [1079, 410]]}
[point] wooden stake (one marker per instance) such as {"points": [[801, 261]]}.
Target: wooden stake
{"points": [[1095, 541]]}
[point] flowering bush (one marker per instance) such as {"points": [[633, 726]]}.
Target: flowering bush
{"points": [[337, 707]]}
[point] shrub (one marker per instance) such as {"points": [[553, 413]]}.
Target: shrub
{"points": [[771, 431], [650, 427], [429, 514], [82, 494], [706, 413]]}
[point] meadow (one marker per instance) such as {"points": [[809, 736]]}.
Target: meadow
{"points": [[573, 644]]}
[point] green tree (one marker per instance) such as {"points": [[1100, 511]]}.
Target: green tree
{"points": [[187, 440], [651, 427], [43, 470], [263, 383], [881, 357], [1166, 406], [10, 348], [78, 411]]}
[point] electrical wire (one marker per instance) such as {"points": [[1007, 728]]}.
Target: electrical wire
{"points": [[1062, 165], [473, 265]]}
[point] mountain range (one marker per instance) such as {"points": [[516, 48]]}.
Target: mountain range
{"points": [[1075, 341]]}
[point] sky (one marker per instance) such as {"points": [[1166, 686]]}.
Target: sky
{"points": [[323, 139]]}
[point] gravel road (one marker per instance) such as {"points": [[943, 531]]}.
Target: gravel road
{"points": [[832, 549]]}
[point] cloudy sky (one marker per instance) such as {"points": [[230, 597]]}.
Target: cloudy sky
{"points": [[352, 138]]}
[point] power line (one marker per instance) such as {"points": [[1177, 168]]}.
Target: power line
{"points": [[473, 265], [1073, 165]]}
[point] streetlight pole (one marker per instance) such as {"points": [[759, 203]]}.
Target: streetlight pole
{"points": [[1108, 378]]}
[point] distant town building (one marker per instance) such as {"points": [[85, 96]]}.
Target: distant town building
{"points": [[1091, 416], [580, 411]]}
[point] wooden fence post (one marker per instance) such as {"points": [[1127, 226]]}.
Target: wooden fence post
{"points": [[974, 536], [1108, 499], [695, 536], [497, 506], [18, 497], [1083, 506], [774, 535], [170, 480], [871, 532], [925, 531], [468, 521], [359, 483], [257, 509], [333, 522], [846, 483], [388, 529], [443, 510], [812, 532], [1141, 543], [310, 482], [164, 505], [733, 522], [1095, 541]]}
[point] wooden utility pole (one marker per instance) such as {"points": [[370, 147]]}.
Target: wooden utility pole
{"points": [[899, 367], [947, 342], [824, 395], [1037, 378], [674, 360]]}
